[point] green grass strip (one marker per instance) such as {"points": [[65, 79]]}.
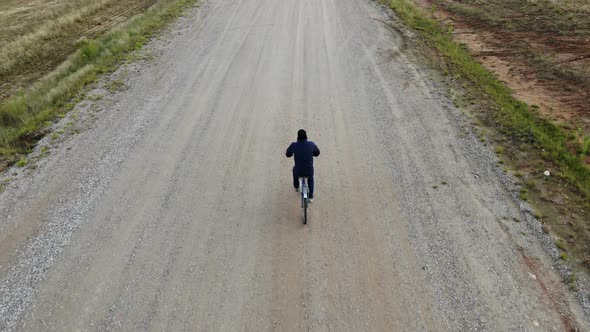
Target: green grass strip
{"points": [[24, 115], [511, 114]]}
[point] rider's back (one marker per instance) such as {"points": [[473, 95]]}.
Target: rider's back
{"points": [[304, 151]]}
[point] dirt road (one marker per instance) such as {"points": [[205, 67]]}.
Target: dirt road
{"points": [[175, 209]]}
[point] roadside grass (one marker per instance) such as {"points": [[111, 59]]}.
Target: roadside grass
{"points": [[571, 281], [511, 115], [22, 162], [24, 116]]}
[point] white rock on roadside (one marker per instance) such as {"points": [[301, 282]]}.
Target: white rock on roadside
{"points": [[546, 173]]}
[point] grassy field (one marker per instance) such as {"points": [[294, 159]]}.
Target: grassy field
{"points": [[36, 36], [528, 141], [50, 50]]}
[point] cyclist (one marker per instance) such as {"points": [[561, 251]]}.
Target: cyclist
{"points": [[304, 152]]}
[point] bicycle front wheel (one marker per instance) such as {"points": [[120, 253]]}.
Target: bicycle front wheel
{"points": [[305, 211]]}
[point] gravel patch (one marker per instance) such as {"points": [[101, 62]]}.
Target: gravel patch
{"points": [[20, 279]]}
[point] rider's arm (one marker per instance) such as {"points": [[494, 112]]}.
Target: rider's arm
{"points": [[290, 151], [316, 151]]}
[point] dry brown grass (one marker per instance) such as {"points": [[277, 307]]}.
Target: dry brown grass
{"points": [[30, 44], [36, 36], [26, 16], [63, 56]]}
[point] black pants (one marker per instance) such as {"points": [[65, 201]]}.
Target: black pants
{"points": [[309, 181]]}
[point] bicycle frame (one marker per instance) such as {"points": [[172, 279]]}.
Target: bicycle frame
{"points": [[303, 188]]}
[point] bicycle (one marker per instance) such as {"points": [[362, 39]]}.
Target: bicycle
{"points": [[304, 190]]}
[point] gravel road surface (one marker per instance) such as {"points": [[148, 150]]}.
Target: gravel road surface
{"points": [[175, 211]]}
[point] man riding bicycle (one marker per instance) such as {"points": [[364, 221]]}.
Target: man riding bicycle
{"points": [[304, 152]]}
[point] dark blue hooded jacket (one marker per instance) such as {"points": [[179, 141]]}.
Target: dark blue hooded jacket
{"points": [[304, 152]]}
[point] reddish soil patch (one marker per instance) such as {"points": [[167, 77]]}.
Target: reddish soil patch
{"points": [[551, 293], [544, 68]]}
